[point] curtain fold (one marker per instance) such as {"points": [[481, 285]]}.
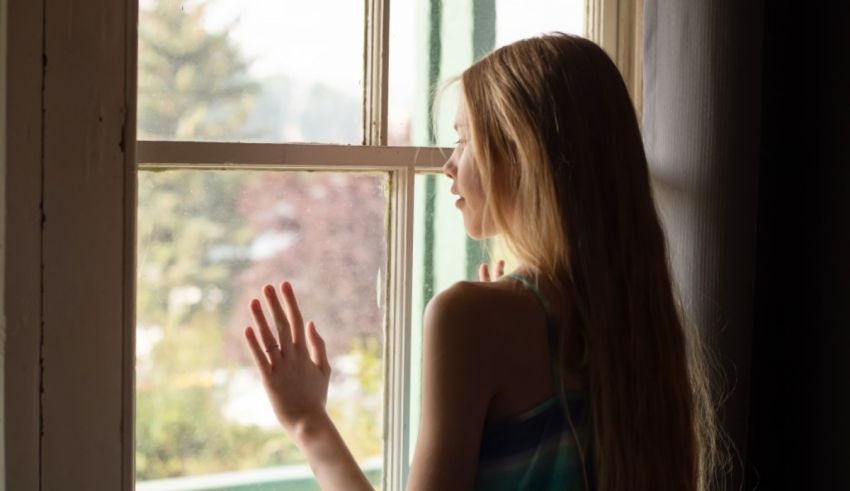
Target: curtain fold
{"points": [[701, 126]]}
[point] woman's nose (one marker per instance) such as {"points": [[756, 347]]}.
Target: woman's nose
{"points": [[449, 168]]}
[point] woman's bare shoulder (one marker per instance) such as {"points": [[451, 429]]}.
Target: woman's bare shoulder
{"points": [[495, 330], [479, 309], [475, 298]]}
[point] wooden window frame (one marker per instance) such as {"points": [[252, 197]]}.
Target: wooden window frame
{"points": [[617, 26], [3, 29], [71, 210]]}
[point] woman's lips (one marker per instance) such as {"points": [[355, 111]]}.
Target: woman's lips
{"points": [[459, 202]]}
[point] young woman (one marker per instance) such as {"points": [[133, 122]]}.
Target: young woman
{"points": [[575, 371]]}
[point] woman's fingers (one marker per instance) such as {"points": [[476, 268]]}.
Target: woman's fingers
{"points": [[500, 269], [284, 332], [270, 344], [483, 272], [257, 353], [293, 314], [318, 353]]}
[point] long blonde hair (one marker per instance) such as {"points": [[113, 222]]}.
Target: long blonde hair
{"points": [[559, 152]]}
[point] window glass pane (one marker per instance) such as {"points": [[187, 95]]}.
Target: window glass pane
{"points": [[257, 71], [207, 242], [442, 255], [433, 40]]}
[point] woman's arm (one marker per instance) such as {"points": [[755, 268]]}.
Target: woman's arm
{"points": [[329, 457], [457, 387], [294, 367]]}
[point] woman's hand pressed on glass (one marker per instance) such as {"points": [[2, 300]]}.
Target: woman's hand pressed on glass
{"points": [[293, 364], [291, 359]]}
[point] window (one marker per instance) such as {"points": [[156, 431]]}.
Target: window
{"points": [[270, 149]]}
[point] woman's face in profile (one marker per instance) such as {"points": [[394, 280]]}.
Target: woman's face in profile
{"points": [[466, 182]]}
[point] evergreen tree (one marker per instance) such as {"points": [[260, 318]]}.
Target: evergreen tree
{"points": [[193, 84]]}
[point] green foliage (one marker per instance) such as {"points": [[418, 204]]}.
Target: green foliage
{"points": [[193, 83], [190, 236], [187, 436], [356, 416], [183, 290]]}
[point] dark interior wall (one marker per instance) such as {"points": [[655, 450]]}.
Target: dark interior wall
{"points": [[826, 380], [801, 337]]}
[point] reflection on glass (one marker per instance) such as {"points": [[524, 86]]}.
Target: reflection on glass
{"points": [[207, 242], [262, 71], [434, 40]]}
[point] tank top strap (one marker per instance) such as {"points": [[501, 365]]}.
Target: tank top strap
{"points": [[529, 284], [551, 325]]}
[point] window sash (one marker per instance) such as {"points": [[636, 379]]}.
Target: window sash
{"points": [[402, 164], [617, 26]]}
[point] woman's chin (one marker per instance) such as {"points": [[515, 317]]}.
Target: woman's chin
{"points": [[472, 231], [473, 224], [476, 231]]}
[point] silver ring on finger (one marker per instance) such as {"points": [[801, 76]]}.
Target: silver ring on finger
{"points": [[272, 348]]}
